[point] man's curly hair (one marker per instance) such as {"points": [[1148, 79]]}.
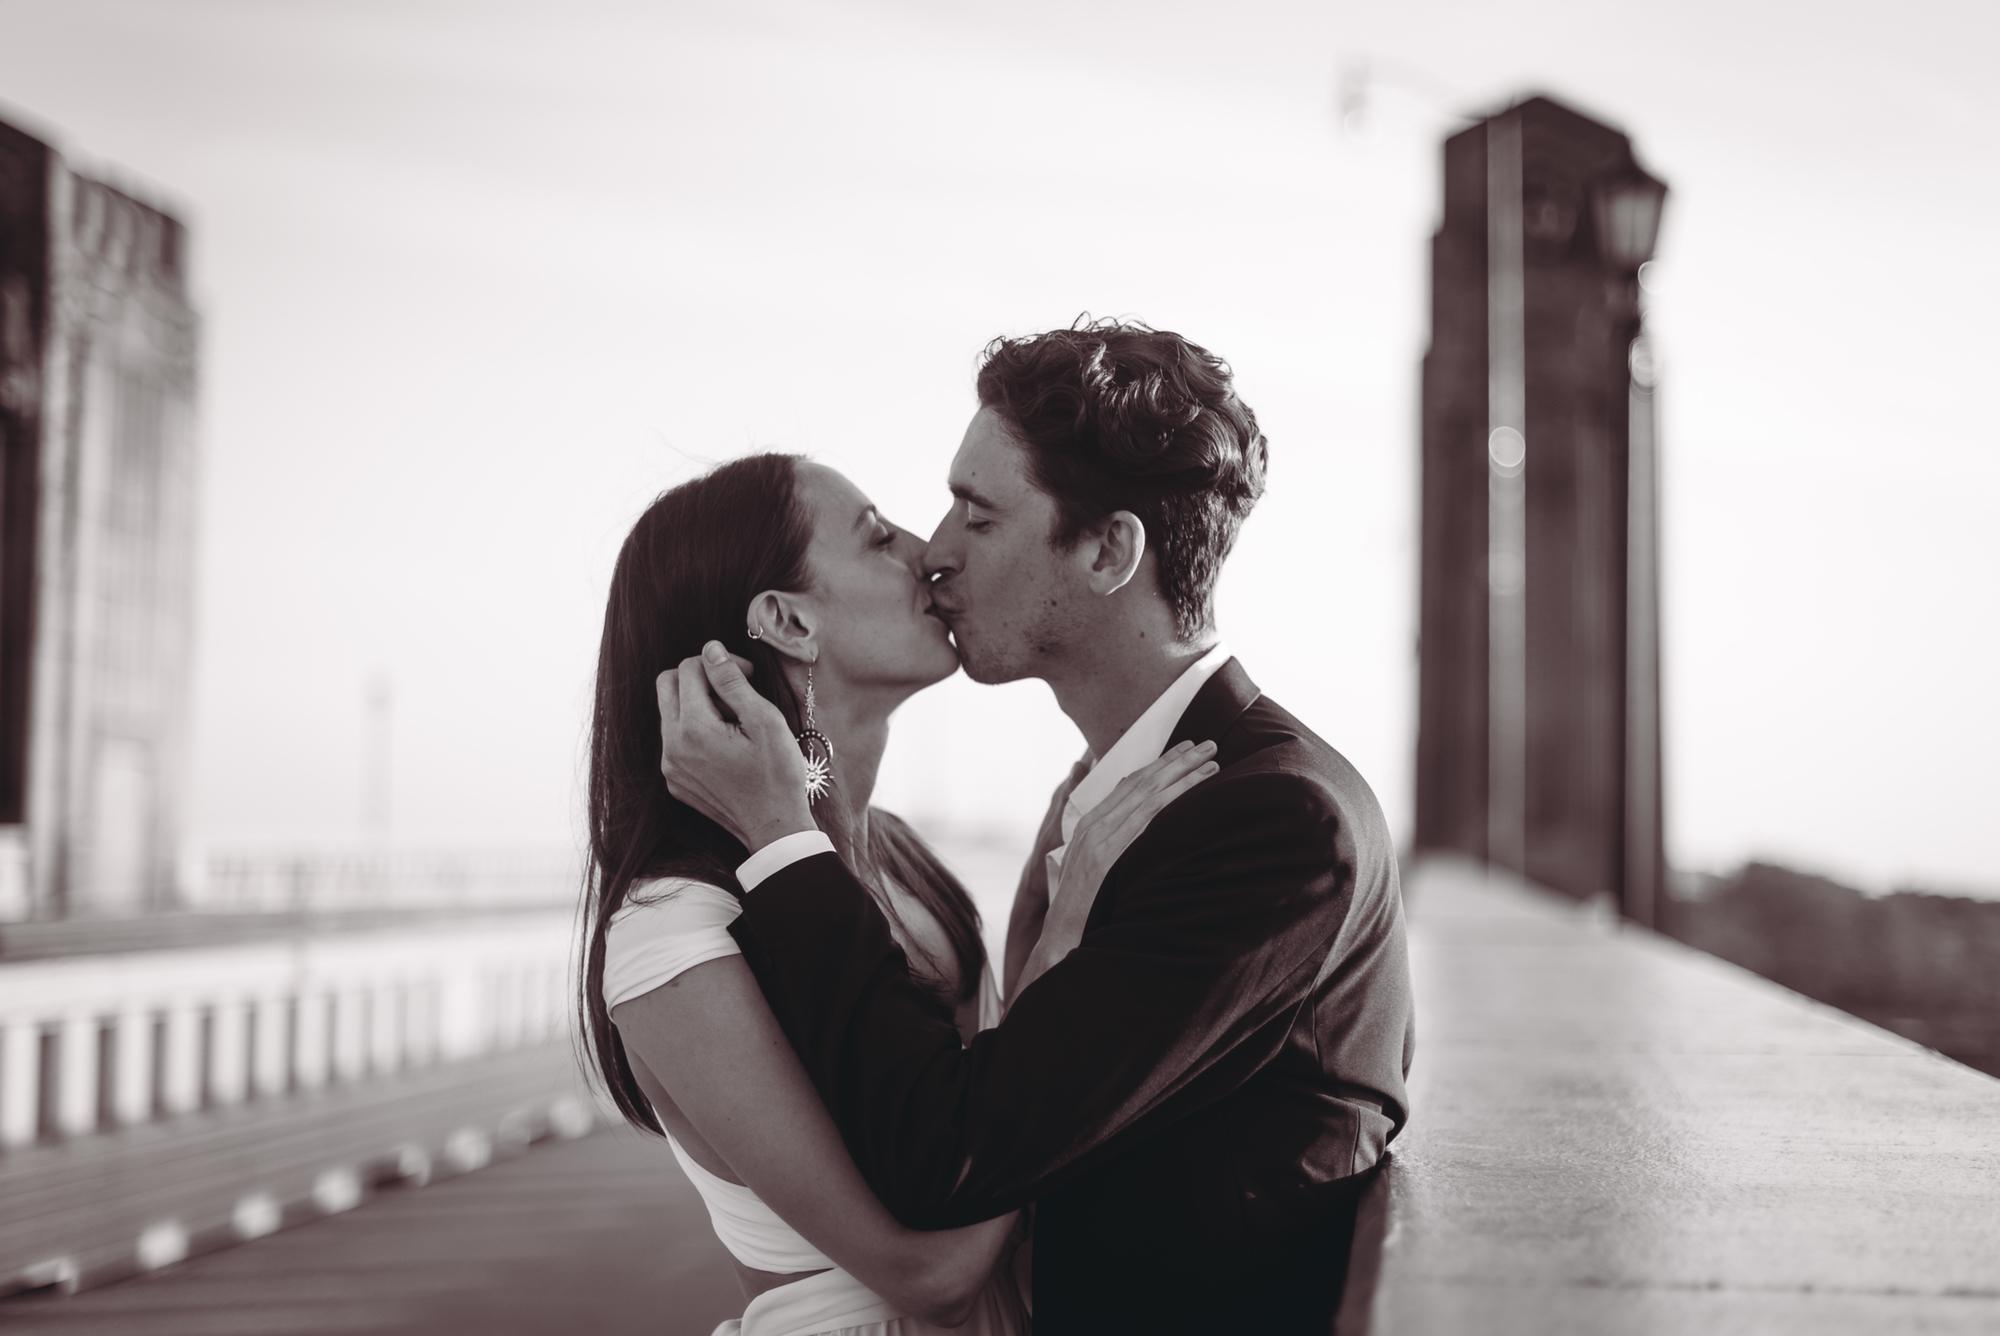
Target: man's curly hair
{"points": [[1118, 416]]}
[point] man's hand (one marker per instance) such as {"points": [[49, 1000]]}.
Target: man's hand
{"points": [[726, 751]]}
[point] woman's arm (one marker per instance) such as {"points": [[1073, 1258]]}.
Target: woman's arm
{"points": [[711, 1040]]}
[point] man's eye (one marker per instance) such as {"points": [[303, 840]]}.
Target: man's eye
{"points": [[977, 526]]}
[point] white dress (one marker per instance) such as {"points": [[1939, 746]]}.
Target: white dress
{"points": [[682, 924]]}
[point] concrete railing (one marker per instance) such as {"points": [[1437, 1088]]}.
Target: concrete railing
{"points": [[295, 881], [90, 1043]]}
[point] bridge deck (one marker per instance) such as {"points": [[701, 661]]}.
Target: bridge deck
{"points": [[600, 1235], [1615, 1133], [97, 1209]]}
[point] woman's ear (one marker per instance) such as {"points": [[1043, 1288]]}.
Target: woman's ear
{"points": [[787, 623], [1120, 545]]}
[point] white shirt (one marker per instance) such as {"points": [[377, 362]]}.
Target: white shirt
{"points": [[1137, 747]]}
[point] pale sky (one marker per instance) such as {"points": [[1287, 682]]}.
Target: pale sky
{"points": [[480, 279]]}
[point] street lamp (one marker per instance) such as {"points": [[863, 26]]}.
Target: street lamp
{"points": [[1627, 209]]}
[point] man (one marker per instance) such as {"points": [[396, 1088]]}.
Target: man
{"points": [[1194, 1095]]}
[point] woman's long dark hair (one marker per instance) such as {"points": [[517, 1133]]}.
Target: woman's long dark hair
{"points": [[685, 576]]}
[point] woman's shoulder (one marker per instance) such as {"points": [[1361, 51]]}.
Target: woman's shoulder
{"points": [[665, 907], [672, 899], [667, 926]]}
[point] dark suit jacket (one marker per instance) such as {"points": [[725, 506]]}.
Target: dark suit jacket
{"points": [[1192, 1096]]}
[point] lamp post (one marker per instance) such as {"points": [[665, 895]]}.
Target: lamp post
{"points": [[1627, 207]]}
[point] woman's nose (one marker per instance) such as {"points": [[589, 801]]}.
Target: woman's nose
{"points": [[911, 548]]}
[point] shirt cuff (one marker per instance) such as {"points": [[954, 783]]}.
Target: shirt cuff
{"points": [[780, 854]]}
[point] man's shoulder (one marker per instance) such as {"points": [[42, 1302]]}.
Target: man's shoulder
{"points": [[1270, 755]]}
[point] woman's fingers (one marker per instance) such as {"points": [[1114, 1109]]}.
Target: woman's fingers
{"points": [[1150, 773], [1151, 803], [1151, 778]]}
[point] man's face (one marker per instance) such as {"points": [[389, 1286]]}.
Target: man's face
{"points": [[1014, 603]]}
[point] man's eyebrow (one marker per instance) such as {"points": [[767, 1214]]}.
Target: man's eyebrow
{"points": [[964, 493]]}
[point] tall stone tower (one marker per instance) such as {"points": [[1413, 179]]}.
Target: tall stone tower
{"points": [[97, 539], [1538, 743]]}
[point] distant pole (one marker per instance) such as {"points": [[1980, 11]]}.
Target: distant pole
{"points": [[376, 760]]}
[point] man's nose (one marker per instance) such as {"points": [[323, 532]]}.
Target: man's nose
{"points": [[939, 558], [911, 549]]}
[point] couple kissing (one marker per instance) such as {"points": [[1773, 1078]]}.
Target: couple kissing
{"points": [[1157, 1112]]}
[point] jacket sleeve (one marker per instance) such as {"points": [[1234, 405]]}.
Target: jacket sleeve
{"points": [[1209, 933]]}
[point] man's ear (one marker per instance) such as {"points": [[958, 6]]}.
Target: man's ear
{"points": [[787, 623], [1115, 547]]}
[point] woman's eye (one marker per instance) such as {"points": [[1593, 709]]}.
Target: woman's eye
{"points": [[887, 539]]}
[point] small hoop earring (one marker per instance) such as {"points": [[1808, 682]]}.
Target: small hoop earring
{"points": [[819, 768], [756, 633]]}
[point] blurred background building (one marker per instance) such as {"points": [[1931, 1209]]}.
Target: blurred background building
{"points": [[144, 979], [98, 363]]}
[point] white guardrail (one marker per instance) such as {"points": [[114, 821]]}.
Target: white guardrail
{"points": [[277, 881], [94, 1042]]}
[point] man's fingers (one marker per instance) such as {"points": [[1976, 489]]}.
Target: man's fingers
{"points": [[667, 686], [698, 707], [728, 682]]}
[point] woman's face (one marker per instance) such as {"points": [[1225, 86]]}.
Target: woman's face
{"points": [[875, 629]]}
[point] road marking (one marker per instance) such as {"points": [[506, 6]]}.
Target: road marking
{"points": [[468, 1148], [413, 1164], [256, 1214], [570, 1117], [336, 1190], [56, 1273], [162, 1244]]}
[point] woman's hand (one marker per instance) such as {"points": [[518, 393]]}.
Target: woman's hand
{"points": [[1102, 837]]}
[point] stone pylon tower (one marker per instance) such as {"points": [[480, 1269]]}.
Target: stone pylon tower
{"points": [[1538, 698], [97, 539]]}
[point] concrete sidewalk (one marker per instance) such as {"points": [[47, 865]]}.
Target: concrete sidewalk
{"points": [[1616, 1133], [96, 1209]]}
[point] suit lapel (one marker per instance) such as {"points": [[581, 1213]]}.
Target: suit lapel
{"points": [[1211, 714]]}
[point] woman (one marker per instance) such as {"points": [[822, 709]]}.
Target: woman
{"points": [[786, 563]]}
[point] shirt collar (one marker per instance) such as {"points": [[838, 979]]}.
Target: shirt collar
{"points": [[1142, 743]]}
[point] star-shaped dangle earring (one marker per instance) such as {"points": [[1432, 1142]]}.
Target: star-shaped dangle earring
{"points": [[819, 767]]}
